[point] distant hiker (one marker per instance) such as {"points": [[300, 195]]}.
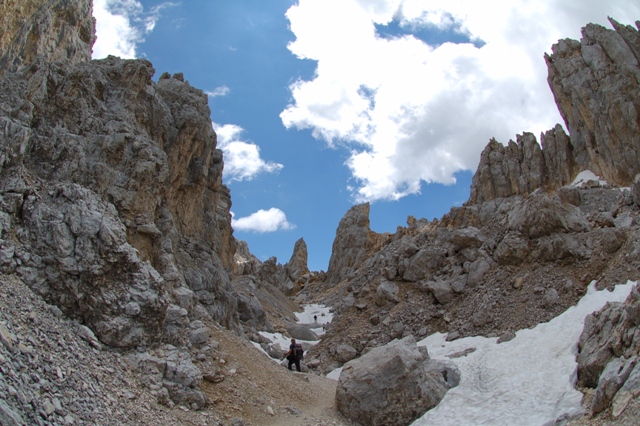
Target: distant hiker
{"points": [[315, 318], [295, 354]]}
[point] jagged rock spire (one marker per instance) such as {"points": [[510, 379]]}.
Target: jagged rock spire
{"points": [[595, 85]]}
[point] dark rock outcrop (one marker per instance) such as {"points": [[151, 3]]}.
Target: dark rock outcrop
{"points": [[112, 205], [610, 333]]}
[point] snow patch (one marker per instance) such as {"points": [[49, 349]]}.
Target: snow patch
{"points": [[324, 316], [528, 380], [335, 374], [586, 176]]}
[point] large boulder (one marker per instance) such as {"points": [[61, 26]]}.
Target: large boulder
{"points": [[389, 385], [609, 333], [387, 292], [302, 332]]}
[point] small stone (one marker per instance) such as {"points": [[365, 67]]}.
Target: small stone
{"points": [[551, 297], [128, 395], [57, 406], [505, 337], [517, 284], [5, 337], [25, 349], [270, 410], [294, 411], [453, 335], [48, 407], [462, 353]]}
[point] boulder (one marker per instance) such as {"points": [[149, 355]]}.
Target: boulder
{"points": [[477, 271], [302, 332], [512, 250], [389, 385], [387, 292], [441, 290], [539, 215], [609, 333], [423, 264], [345, 353]]}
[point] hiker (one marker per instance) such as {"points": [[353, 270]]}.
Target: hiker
{"points": [[315, 318], [295, 354]]}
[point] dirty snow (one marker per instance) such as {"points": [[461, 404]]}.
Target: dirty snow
{"points": [[526, 381]]}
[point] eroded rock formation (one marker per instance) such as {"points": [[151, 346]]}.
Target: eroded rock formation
{"points": [[56, 31], [112, 205], [595, 85], [353, 243]]}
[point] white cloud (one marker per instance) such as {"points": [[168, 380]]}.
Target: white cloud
{"points": [[121, 25], [218, 91], [241, 158], [263, 221], [413, 113]]}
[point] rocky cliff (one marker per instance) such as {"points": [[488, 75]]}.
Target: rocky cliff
{"points": [[595, 84], [112, 205], [58, 31], [112, 193]]}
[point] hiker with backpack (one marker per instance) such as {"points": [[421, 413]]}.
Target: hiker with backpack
{"points": [[295, 354]]}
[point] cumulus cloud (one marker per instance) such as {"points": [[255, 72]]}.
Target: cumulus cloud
{"points": [[263, 221], [121, 25], [218, 91], [241, 158], [412, 112]]}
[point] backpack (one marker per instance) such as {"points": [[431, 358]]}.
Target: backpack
{"points": [[298, 352]]}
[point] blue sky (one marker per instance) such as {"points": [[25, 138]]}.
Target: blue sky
{"points": [[322, 104]]}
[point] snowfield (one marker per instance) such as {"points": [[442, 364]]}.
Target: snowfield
{"points": [[526, 381]]}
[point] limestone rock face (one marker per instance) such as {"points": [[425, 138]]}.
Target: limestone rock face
{"points": [[51, 30], [297, 267], [391, 385], [505, 171], [111, 192], [353, 241], [595, 85], [608, 334]]}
